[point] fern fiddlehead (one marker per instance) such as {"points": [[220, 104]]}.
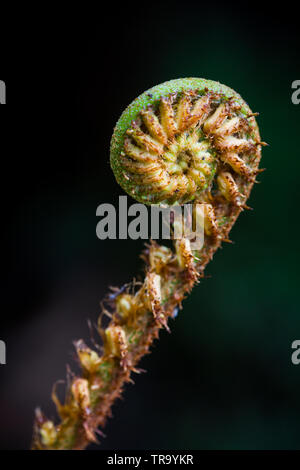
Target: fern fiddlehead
{"points": [[187, 140]]}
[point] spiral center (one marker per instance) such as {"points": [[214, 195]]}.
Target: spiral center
{"points": [[184, 161]]}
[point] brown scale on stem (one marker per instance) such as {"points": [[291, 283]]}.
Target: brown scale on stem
{"points": [[186, 146]]}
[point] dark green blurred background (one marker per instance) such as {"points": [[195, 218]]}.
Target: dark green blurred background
{"points": [[224, 378]]}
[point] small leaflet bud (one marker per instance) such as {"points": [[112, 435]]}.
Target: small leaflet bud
{"points": [[89, 359], [80, 391], [48, 433], [115, 340], [125, 305]]}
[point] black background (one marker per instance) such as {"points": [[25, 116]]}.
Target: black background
{"points": [[224, 378]]}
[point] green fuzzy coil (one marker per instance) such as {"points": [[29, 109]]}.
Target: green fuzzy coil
{"points": [[151, 97]]}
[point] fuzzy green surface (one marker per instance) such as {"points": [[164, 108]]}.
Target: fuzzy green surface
{"points": [[150, 97]]}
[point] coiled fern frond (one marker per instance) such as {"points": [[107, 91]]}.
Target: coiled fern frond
{"points": [[187, 140]]}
